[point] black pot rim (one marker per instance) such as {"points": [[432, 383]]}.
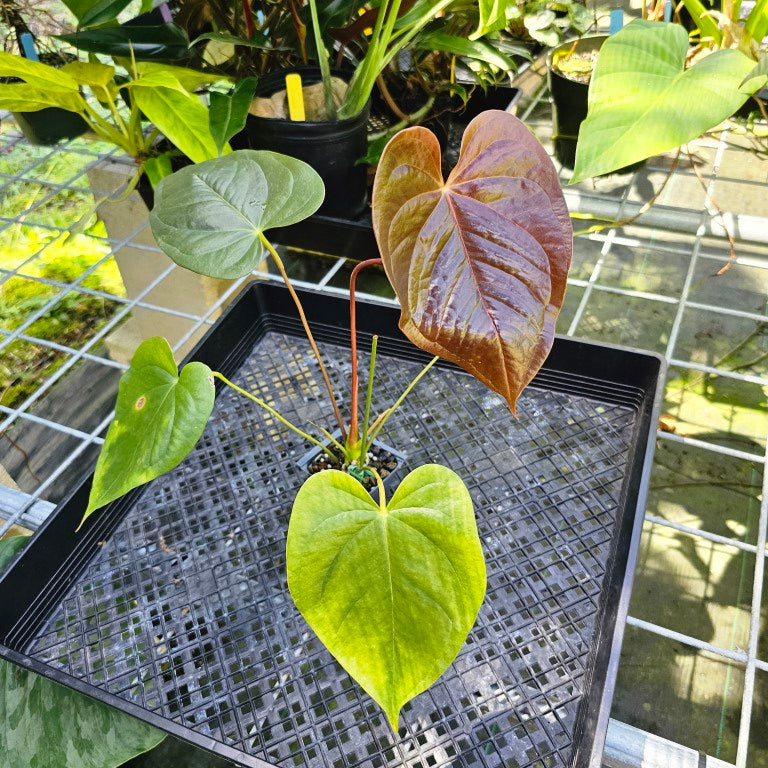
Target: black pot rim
{"points": [[602, 37]]}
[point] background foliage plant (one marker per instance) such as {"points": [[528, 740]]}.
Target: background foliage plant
{"points": [[163, 94], [46, 725], [641, 78]]}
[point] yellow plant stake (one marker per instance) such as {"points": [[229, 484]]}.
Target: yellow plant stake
{"points": [[295, 97]]}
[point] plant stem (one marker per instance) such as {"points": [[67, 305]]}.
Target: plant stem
{"points": [[382, 418], [371, 368], [322, 60], [281, 268], [382, 495], [332, 439], [273, 412], [102, 128], [248, 18], [353, 434]]}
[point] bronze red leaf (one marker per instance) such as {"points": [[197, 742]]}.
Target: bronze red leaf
{"points": [[479, 262]]}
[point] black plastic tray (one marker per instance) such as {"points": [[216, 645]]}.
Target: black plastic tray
{"points": [[171, 604]]}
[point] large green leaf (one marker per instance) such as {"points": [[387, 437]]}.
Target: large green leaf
{"points": [[102, 12], [45, 725], [20, 97], [159, 416], [179, 115], [208, 217], [479, 262], [161, 41], [228, 112], [36, 74], [391, 593], [642, 100]]}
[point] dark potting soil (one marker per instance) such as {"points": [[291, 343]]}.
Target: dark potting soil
{"points": [[378, 457]]}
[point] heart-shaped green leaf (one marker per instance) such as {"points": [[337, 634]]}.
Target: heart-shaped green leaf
{"points": [[391, 593], [642, 100], [208, 217], [479, 263], [159, 416]]}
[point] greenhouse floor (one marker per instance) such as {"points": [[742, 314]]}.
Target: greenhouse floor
{"points": [[78, 292]]}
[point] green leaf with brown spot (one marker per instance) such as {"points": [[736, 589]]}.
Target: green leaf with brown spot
{"points": [[159, 417]]}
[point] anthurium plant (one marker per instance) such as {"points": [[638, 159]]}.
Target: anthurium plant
{"points": [[479, 262], [163, 94], [649, 71]]}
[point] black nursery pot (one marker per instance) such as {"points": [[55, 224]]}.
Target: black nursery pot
{"points": [[332, 148], [569, 99], [49, 125]]}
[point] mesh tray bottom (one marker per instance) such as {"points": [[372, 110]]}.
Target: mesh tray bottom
{"points": [[186, 613]]}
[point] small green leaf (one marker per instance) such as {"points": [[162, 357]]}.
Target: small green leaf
{"points": [[228, 112], [208, 217], [35, 74], [491, 17], [103, 12], [540, 20], [259, 40], [392, 594], [180, 116], [156, 79], [703, 20], [642, 100], [158, 168], [159, 416], [20, 97], [760, 69], [9, 548], [459, 46], [90, 73], [190, 79]]}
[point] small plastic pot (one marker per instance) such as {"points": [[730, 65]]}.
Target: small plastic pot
{"points": [[390, 481], [569, 98], [50, 125], [332, 148]]}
